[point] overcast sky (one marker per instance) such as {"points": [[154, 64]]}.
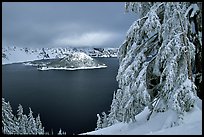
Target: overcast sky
{"points": [[63, 24]]}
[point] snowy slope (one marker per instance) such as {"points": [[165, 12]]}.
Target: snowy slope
{"points": [[157, 125], [13, 54], [16, 54]]}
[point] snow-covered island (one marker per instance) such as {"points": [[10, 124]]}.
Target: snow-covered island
{"points": [[74, 61], [14, 54]]}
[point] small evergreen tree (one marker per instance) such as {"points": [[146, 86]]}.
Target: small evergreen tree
{"points": [[60, 132], [64, 133], [32, 128], [99, 122], [40, 128], [22, 120], [114, 110], [104, 120]]}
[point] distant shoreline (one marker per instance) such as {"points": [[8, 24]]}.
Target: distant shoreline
{"points": [[9, 63]]}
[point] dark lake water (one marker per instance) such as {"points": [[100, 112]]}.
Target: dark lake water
{"points": [[64, 99]]}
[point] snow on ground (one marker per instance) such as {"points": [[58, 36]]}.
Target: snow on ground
{"points": [[157, 125], [17, 55]]}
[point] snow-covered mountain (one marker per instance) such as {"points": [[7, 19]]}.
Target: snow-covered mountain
{"points": [[16, 54], [72, 61]]}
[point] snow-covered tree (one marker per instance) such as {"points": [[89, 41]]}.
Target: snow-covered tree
{"points": [[40, 128], [64, 133], [194, 14], [32, 128], [8, 123], [22, 120], [99, 122], [112, 117], [22, 124], [157, 60], [104, 120], [115, 114], [60, 132]]}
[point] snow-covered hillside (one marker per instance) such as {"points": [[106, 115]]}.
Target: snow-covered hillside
{"points": [[158, 124], [16, 54]]}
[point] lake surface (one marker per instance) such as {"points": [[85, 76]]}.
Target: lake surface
{"points": [[64, 99]]}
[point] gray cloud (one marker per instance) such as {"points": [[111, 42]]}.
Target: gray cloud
{"points": [[53, 24]]}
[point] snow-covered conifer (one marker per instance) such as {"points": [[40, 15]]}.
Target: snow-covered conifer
{"points": [[64, 133], [99, 122], [114, 110], [104, 120], [8, 124], [157, 60], [40, 128], [60, 132], [32, 128], [22, 124], [22, 121]]}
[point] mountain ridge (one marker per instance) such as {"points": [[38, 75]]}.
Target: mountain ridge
{"points": [[14, 54]]}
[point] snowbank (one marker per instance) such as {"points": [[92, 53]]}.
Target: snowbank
{"points": [[157, 125]]}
